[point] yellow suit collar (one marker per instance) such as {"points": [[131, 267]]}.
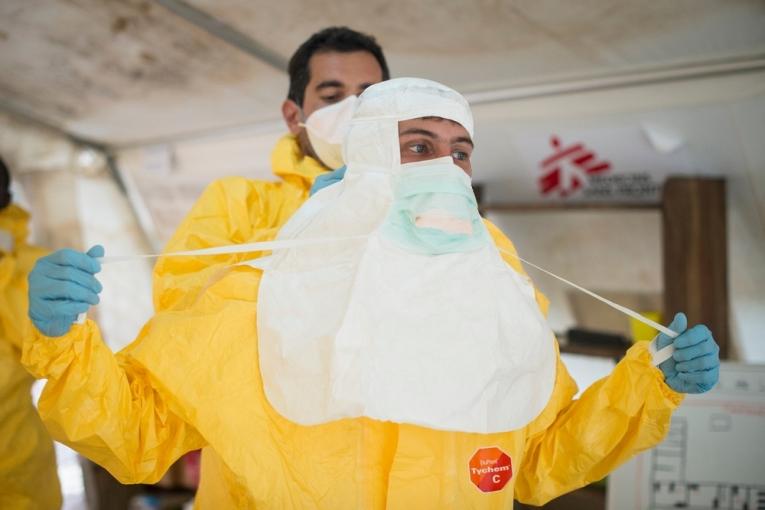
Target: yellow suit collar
{"points": [[289, 163]]}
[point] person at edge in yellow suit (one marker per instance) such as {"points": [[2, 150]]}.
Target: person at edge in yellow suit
{"points": [[196, 377], [331, 65], [28, 478]]}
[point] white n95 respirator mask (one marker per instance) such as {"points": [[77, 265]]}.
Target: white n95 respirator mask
{"points": [[326, 128]]}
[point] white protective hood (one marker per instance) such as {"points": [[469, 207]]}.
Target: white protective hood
{"points": [[358, 326]]}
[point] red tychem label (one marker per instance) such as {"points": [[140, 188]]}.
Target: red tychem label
{"points": [[490, 469]]}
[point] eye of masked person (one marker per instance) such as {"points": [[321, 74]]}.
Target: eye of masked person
{"points": [[428, 138]]}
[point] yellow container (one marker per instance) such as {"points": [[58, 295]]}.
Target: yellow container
{"points": [[642, 332]]}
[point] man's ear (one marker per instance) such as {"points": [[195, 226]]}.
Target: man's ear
{"points": [[292, 115]]}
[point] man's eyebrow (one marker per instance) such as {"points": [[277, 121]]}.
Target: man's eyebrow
{"points": [[418, 131], [463, 139], [431, 134], [329, 84]]}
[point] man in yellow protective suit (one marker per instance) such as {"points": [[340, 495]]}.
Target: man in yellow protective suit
{"points": [[28, 477], [331, 65], [393, 355]]}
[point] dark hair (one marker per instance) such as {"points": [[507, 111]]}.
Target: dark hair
{"points": [[5, 185], [339, 39], [5, 175]]}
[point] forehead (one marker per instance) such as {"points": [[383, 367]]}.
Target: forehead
{"points": [[438, 125], [344, 66]]}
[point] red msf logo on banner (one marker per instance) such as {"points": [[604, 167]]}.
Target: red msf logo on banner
{"points": [[490, 469], [568, 167]]}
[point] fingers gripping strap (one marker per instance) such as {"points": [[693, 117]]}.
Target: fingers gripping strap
{"points": [[660, 355]]}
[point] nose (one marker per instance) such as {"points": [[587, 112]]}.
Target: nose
{"points": [[443, 150]]}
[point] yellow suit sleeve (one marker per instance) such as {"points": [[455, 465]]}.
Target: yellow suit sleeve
{"points": [[234, 210], [107, 406], [576, 442]]}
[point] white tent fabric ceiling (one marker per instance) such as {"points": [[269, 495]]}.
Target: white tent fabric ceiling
{"points": [[127, 72]]}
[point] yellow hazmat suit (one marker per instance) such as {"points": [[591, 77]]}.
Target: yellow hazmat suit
{"points": [[27, 461], [192, 379]]}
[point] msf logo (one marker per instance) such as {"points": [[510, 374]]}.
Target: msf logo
{"points": [[566, 170]]}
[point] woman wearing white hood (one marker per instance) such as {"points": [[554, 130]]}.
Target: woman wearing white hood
{"points": [[389, 358]]}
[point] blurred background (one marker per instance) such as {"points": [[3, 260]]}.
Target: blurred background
{"points": [[612, 138]]}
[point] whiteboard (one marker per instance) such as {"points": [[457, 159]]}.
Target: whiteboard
{"points": [[713, 456]]}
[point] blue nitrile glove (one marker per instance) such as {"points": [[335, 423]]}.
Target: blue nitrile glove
{"points": [[695, 365], [328, 179], [62, 285]]}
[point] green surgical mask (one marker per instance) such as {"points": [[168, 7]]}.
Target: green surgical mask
{"points": [[434, 210]]}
